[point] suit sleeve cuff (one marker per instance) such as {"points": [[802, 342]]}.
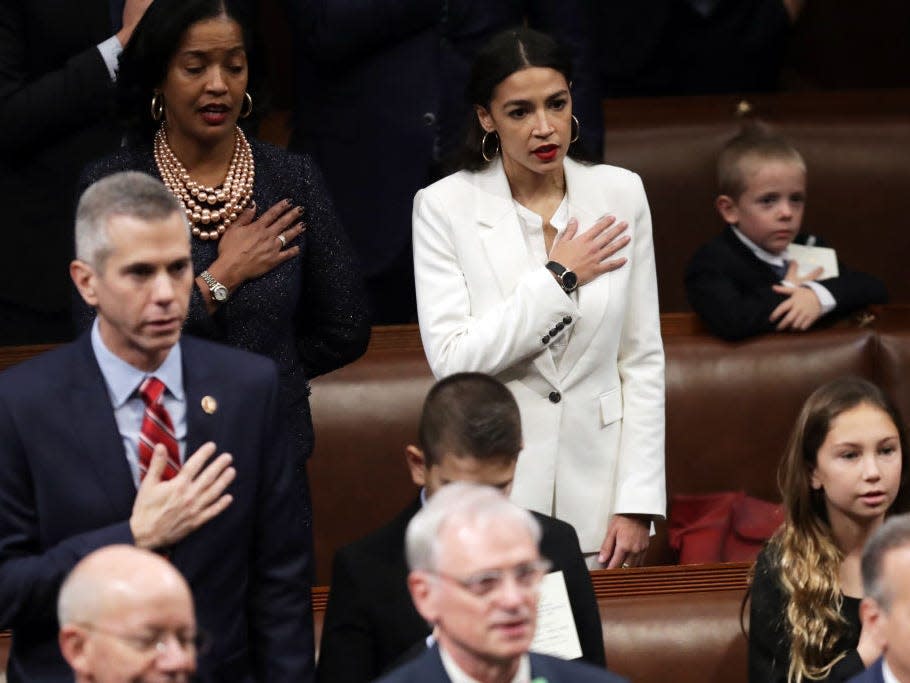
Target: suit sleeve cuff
{"points": [[825, 298], [110, 51]]}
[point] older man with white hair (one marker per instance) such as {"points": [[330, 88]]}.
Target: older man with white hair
{"points": [[885, 609], [475, 574], [126, 616]]}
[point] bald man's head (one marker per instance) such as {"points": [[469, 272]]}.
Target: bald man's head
{"points": [[126, 615]]}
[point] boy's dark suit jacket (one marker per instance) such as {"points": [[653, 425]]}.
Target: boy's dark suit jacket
{"points": [[370, 621], [66, 490], [871, 675], [730, 288], [428, 668]]}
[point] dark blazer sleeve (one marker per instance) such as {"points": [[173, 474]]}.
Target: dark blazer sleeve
{"points": [[347, 652], [37, 108], [31, 573], [348, 30], [730, 289], [333, 325], [280, 607], [559, 543], [851, 289]]}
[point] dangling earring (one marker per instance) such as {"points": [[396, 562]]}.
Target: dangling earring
{"points": [[157, 108], [248, 102], [483, 145], [577, 130]]}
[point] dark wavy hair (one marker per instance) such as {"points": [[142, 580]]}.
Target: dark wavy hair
{"points": [[507, 52], [145, 59]]}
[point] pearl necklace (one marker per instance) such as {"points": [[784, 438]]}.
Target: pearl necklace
{"points": [[210, 210]]}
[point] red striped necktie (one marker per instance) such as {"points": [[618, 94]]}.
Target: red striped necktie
{"points": [[156, 428]]}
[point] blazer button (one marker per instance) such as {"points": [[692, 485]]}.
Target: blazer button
{"points": [[429, 119], [567, 320], [555, 397], [545, 339], [559, 327], [553, 332]]}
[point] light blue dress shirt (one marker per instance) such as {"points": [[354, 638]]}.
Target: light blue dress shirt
{"points": [[123, 380]]}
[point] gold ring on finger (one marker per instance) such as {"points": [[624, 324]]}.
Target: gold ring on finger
{"points": [[283, 241]]}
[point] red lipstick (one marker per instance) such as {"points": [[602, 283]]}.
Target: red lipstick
{"points": [[546, 152]]}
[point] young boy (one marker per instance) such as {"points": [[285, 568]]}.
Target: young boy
{"points": [[745, 282]]}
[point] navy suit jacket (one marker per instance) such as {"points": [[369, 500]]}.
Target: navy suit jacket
{"points": [[730, 288], [66, 490], [871, 675], [371, 623], [428, 668]]}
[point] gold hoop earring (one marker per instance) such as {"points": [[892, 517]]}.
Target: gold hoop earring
{"points": [[577, 130], [483, 145], [157, 107], [248, 103]]}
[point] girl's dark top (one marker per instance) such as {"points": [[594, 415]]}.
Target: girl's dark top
{"points": [[769, 637]]}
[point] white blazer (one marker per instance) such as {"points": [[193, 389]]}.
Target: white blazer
{"points": [[593, 426]]}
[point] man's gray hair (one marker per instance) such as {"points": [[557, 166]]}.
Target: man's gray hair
{"points": [[892, 535], [129, 193], [464, 503]]}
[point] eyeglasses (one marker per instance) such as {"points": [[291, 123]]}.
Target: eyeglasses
{"points": [[156, 642], [526, 575]]}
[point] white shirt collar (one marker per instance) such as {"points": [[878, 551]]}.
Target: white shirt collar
{"points": [[766, 256], [456, 675], [887, 674]]}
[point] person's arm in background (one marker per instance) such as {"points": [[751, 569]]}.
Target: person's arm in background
{"points": [[35, 110]]}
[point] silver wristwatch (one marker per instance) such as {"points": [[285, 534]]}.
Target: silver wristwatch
{"points": [[219, 292]]}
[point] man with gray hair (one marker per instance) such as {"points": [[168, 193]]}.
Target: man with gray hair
{"points": [[475, 575], [885, 609], [126, 616], [112, 440]]}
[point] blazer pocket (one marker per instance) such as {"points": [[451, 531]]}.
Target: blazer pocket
{"points": [[610, 406]]}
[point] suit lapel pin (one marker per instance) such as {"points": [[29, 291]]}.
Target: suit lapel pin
{"points": [[209, 405]]}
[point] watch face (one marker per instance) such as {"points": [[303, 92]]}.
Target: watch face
{"points": [[220, 293], [569, 281]]}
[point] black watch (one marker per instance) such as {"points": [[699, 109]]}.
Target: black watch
{"points": [[567, 279]]}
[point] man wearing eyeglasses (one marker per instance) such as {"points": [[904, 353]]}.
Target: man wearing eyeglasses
{"points": [[470, 430], [127, 615], [475, 574]]}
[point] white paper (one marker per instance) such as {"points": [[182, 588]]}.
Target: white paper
{"points": [[556, 634], [810, 258]]}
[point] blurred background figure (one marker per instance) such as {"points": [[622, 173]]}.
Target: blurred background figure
{"points": [[692, 47], [126, 616], [57, 68]]}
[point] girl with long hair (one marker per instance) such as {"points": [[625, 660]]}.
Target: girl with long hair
{"points": [[842, 474]]}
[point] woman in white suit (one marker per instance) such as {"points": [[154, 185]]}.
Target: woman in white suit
{"points": [[539, 269]]}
